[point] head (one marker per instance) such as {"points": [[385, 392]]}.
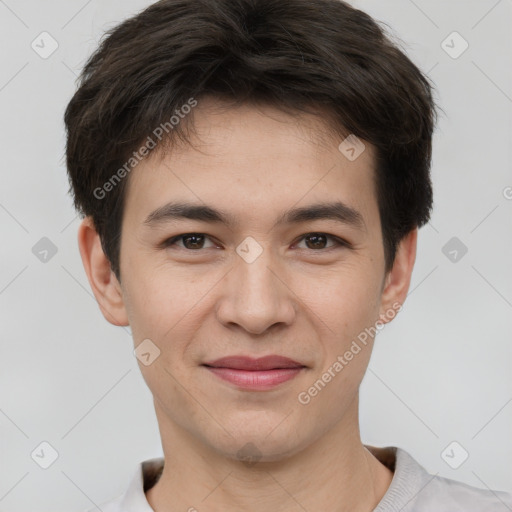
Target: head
{"points": [[294, 139]]}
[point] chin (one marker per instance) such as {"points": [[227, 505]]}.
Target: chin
{"points": [[256, 453], [255, 445]]}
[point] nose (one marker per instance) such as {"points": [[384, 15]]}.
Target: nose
{"points": [[256, 295]]}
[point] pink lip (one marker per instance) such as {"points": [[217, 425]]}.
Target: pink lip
{"points": [[255, 374], [255, 379]]}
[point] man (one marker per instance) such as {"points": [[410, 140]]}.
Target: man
{"points": [[253, 174]]}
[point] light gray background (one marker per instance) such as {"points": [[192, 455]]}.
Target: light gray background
{"points": [[440, 371]]}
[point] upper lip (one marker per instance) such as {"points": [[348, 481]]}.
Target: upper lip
{"points": [[248, 363]]}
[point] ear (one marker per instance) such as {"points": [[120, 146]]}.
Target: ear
{"points": [[398, 279], [104, 284]]}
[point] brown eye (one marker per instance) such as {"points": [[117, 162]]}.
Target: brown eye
{"points": [[318, 241], [190, 241]]}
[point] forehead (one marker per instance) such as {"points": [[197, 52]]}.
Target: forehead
{"points": [[249, 161]]}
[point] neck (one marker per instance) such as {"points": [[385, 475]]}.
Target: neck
{"points": [[336, 473]]}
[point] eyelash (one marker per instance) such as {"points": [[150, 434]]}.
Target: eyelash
{"points": [[340, 243]]}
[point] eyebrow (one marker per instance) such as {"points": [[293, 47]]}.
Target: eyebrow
{"points": [[337, 211]]}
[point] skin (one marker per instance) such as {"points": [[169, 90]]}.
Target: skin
{"points": [[304, 301]]}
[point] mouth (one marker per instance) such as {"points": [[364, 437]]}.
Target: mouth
{"points": [[255, 374]]}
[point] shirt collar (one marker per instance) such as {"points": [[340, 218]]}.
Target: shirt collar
{"points": [[134, 500]]}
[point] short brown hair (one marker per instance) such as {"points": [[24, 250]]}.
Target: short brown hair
{"points": [[291, 54]]}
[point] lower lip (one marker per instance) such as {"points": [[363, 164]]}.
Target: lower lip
{"points": [[256, 380]]}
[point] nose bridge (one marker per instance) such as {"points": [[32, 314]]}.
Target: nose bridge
{"points": [[256, 278], [255, 298]]}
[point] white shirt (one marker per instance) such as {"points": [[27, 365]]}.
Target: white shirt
{"points": [[412, 489]]}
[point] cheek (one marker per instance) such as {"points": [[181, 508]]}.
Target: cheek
{"points": [[154, 303], [344, 301], [345, 316]]}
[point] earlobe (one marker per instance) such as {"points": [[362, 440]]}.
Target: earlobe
{"points": [[398, 278], [104, 284]]}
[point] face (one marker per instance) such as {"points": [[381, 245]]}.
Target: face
{"points": [[297, 272]]}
